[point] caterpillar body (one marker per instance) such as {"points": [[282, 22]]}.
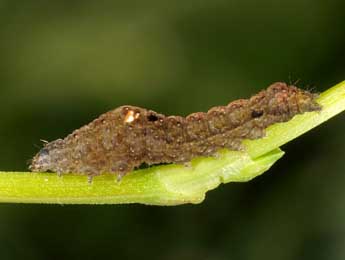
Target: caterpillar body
{"points": [[128, 136]]}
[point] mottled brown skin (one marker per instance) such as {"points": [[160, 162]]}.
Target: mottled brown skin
{"points": [[123, 139]]}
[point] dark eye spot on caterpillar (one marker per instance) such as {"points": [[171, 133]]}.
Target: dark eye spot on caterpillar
{"points": [[257, 113], [152, 117], [125, 138]]}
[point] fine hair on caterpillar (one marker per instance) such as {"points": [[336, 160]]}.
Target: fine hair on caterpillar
{"points": [[125, 138]]}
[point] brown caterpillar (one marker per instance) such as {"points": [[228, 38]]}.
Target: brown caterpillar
{"points": [[126, 137]]}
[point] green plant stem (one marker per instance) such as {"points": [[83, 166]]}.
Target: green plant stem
{"points": [[171, 184]]}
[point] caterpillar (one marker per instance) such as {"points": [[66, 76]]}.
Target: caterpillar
{"points": [[125, 138]]}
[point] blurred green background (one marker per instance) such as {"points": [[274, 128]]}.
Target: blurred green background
{"points": [[62, 63]]}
